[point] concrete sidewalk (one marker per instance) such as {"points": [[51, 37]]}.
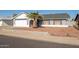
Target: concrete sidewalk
{"points": [[44, 36]]}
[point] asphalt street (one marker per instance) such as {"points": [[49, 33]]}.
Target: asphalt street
{"points": [[16, 42]]}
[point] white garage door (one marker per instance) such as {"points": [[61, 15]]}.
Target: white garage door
{"points": [[21, 23]]}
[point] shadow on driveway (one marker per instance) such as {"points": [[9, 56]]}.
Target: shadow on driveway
{"points": [[16, 42]]}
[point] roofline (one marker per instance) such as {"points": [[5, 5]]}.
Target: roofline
{"points": [[54, 13], [57, 13], [19, 14], [56, 19], [41, 15]]}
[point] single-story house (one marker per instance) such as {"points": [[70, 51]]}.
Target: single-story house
{"points": [[48, 20]]}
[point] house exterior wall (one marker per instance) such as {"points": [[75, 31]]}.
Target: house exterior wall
{"points": [[54, 23]]}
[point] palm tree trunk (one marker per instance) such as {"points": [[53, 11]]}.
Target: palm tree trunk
{"points": [[35, 23]]}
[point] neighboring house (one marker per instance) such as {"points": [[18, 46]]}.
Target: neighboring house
{"points": [[55, 20], [6, 21], [77, 20], [48, 20]]}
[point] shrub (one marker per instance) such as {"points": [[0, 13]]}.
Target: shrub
{"points": [[76, 25]]}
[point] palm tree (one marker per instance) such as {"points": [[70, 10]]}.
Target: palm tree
{"points": [[14, 15], [34, 16]]}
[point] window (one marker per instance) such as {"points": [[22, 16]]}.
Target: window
{"points": [[46, 22], [60, 22], [64, 22], [57, 22], [51, 22]]}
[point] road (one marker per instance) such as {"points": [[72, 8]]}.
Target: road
{"points": [[16, 42]]}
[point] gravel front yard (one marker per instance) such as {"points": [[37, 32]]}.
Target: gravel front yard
{"points": [[59, 31], [70, 31]]}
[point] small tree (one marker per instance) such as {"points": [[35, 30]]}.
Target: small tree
{"points": [[34, 16]]}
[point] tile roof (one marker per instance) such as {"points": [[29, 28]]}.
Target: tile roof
{"points": [[56, 16]]}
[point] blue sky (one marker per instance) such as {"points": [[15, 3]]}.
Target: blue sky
{"points": [[72, 13]]}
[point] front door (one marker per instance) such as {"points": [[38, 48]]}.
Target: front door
{"points": [[31, 23], [39, 23]]}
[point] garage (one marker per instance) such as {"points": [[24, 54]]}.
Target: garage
{"points": [[21, 23], [21, 20]]}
